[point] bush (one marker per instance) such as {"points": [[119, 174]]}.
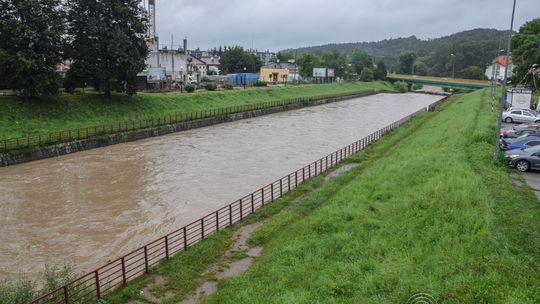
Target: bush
{"points": [[190, 88], [211, 87], [260, 84], [401, 86], [366, 75], [417, 86], [22, 291], [228, 86]]}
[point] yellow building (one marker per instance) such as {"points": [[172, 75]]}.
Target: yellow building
{"points": [[274, 75]]}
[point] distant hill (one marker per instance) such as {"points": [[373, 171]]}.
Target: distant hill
{"points": [[471, 48]]}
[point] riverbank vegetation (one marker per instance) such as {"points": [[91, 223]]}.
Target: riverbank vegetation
{"points": [[21, 117]]}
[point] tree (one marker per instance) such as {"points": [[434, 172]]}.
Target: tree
{"points": [[335, 60], [360, 60], [472, 72], [420, 68], [406, 62], [366, 75], [526, 51], [381, 71], [108, 45], [284, 56], [236, 60], [32, 44], [306, 63]]}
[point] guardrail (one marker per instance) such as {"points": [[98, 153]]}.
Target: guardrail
{"points": [[96, 284], [50, 138]]}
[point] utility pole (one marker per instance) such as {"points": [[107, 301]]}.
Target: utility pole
{"points": [[453, 65], [503, 97], [172, 57]]}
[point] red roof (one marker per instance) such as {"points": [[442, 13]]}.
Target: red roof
{"points": [[502, 60]]}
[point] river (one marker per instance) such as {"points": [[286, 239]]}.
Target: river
{"points": [[93, 206]]}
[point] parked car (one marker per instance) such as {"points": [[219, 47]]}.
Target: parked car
{"points": [[524, 141], [524, 159], [523, 109], [517, 132], [521, 115]]}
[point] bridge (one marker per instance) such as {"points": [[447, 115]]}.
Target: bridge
{"points": [[440, 81]]}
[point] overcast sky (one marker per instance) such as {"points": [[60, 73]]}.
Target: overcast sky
{"points": [[280, 24]]}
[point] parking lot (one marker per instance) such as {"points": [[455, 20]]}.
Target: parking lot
{"points": [[532, 178]]}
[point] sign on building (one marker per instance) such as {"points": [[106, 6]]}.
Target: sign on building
{"points": [[155, 75], [331, 73], [520, 98], [319, 72]]}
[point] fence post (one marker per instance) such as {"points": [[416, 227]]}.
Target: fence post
{"points": [[145, 259], [304, 174], [241, 211], [217, 221], [262, 196], [289, 182], [167, 247], [185, 238], [123, 270], [296, 178], [202, 228], [326, 162], [252, 204], [98, 289], [230, 215], [272, 192], [66, 295], [280, 187]]}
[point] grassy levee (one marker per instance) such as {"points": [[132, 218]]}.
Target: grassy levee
{"points": [[433, 214], [20, 117], [184, 272]]}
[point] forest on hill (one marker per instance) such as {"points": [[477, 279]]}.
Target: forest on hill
{"points": [[465, 53]]}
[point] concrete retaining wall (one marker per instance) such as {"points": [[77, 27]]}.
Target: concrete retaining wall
{"points": [[9, 159]]}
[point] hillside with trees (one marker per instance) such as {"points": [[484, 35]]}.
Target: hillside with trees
{"points": [[470, 50]]}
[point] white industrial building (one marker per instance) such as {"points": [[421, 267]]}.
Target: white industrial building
{"points": [[169, 65]]}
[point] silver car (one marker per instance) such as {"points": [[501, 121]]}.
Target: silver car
{"points": [[524, 159], [520, 115]]}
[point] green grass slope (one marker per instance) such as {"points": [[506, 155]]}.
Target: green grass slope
{"points": [[22, 117], [433, 215]]}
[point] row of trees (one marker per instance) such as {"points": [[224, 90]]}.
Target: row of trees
{"points": [[357, 63], [103, 39]]}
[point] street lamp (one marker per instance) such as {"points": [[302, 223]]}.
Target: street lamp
{"points": [[182, 79], [245, 79], [453, 65], [503, 97]]}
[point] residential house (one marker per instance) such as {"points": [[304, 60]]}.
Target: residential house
{"points": [[212, 64], [274, 75], [290, 65], [495, 71]]}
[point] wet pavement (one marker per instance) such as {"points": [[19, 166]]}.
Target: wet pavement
{"points": [[93, 206]]}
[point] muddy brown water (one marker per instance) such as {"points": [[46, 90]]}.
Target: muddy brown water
{"points": [[91, 207]]}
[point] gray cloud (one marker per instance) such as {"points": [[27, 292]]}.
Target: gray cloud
{"points": [[280, 24]]}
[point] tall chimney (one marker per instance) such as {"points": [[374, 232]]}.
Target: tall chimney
{"points": [[185, 46], [152, 19]]}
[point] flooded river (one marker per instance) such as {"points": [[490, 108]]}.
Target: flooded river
{"points": [[91, 207]]}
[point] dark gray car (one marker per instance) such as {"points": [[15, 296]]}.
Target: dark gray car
{"points": [[524, 159]]}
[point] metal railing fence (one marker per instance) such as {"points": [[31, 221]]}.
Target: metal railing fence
{"points": [[94, 285]]}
